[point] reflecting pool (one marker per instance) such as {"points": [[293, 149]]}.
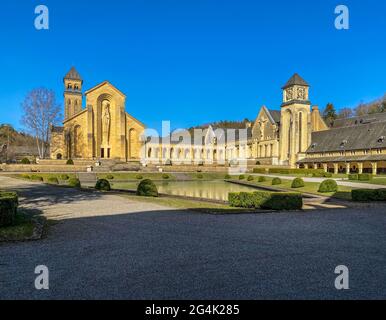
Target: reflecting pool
{"points": [[213, 190]]}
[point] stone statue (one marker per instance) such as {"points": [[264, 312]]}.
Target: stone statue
{"points": [[106, 123]]}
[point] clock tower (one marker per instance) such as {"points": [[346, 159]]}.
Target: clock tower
{"points": [[295, 121]]}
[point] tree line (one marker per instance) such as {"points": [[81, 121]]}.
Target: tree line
{"points": [[330, 114]]}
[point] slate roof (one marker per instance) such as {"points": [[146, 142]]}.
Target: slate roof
{"points": [[359, 137], [295, 80], [355, 121], [73, 74], [276, 115]]}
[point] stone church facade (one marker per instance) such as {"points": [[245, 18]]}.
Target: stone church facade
{"points": [[101, 130]]}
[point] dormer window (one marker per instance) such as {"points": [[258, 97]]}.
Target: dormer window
{"points": [[343, 143], [381, 139], [313, 146]]}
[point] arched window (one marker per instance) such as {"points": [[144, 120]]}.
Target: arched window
{"points": [[300, 131]]}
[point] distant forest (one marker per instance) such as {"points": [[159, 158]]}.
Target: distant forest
{"points": [[377, 106]]}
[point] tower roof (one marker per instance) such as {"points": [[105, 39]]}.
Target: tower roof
{"points": [[73, 74], [296, 80]]}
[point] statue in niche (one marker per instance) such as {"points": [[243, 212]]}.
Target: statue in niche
{"points": [[106, 119]]}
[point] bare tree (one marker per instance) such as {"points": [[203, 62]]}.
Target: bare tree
{"points": [[345, 113], [40, 112]]}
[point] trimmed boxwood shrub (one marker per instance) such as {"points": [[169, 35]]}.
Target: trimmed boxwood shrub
{"points": [[297, 183], [35, 177], [365, 177], [200, 176], [227, 176], [103, 185], [139, 177], [251, 178], [53, 180], [8, 208], [368, 194], [353, 176], [276, 181], [64, 177], [261, 179], [328, 186], [74, 183], [70, 162], [25, 161], [147, 188], [165, 176], [110, 177], [267, 200], [241, 177]]}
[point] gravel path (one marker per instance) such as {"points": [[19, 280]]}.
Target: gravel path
{"points": [[107, 247]]}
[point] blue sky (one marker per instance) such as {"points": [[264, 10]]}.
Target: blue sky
{"points": [[194, 61]]}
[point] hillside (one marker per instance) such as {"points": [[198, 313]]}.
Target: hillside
{"points": [[15, 144]]}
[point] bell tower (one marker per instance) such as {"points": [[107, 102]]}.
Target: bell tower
{"points": [[72, 93], [295, 122]]}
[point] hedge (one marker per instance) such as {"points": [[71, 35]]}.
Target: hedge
{"points": [[365, 177], [103, 185], [251, 178], [322, 175], [8, 208], [25, 176], [328, 186], [295, 171], [74, 182], [241, 177], [25, 161], [34, 177], [266, 200], [64, 177], [368, 194], [353, 176], [261, 179], [260, 170], [297, 183], [276, 181], [360, 177], [228, 176], [147, 188], [53, 180]]}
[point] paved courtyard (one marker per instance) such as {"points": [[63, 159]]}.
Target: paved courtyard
{"points": [[105, 246]]}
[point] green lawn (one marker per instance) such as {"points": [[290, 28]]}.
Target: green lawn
{"points": [[379, 181], [20, 230]]}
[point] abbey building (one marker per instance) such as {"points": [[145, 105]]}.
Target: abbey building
{"points": [[100, 130], [292, 135]]}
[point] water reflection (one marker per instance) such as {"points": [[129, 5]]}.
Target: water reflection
{"points": [[215, 190]]}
